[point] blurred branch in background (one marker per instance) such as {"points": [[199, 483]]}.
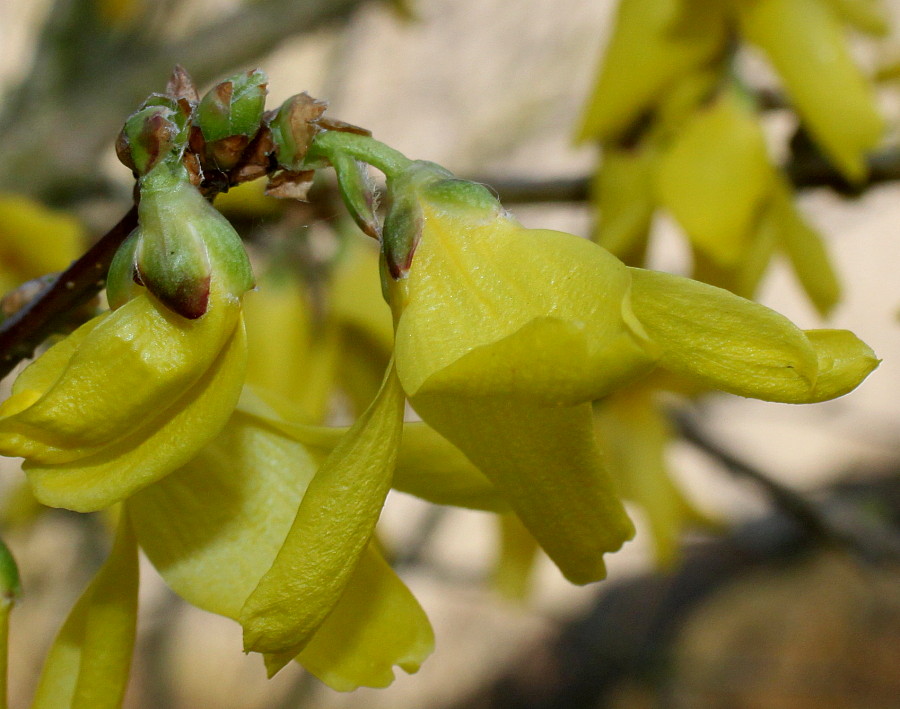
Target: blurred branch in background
{"points": [[89, 71], [804, 170]]}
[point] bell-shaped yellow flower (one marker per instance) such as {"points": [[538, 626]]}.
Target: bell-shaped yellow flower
{"points": [[504, 335], [134, 393], [217, 527]]}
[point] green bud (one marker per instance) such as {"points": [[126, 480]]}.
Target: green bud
{"points": [[155, 132], [183, 244], [293, 129], [233, 107]]}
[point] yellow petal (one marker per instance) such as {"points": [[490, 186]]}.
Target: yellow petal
{"points": [[35, 240], [516, 558], [355, 293], [844, 361], [375, 625], [278, 334], [545, 461], [361, 362], [154, 449], [496, 308], [869, 16], [213, 529], [744, 277], [806, 250], [430, 467], [624, 198], [653, 43], [722, 340], [633, 434], [714, 177], [88, 664], [332, 527], [127, 369], [805, 43]]}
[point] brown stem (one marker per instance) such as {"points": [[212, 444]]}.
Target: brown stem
{"points": [[23, 331], [804, 172]]}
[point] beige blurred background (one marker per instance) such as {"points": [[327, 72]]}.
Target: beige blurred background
{"points": [[489, 88]]}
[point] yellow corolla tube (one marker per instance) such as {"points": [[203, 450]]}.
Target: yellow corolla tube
{"points": [[136, 392], [505, 335]]}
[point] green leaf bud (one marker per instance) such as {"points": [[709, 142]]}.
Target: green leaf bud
{"points": [[358, 193], [234, 106], [293, 129], [157, 131]]}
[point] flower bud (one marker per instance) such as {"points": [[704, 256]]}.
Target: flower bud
{"points": [[151, 134], [230, 114], [357, 192], [180, 245]]}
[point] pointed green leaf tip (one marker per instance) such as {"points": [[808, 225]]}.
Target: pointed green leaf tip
{"points": [[181, 244]]}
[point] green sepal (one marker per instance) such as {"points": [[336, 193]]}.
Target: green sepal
{"points": [[121, 285], [358, 193], [423, 181]]}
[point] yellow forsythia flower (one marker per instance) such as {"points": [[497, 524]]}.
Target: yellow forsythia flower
{"points": [[806, 44], [214, 528], [505, 335], [136, 392]]}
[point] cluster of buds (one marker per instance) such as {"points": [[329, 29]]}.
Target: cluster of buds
{"points": [[226, 137]]}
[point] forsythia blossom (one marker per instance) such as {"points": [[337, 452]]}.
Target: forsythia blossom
{"points": [[505, 335], [136, 392]]}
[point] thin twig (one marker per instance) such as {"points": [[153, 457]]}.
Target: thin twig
{"points": [[23, 331], [804, 512], [804, 173]]}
